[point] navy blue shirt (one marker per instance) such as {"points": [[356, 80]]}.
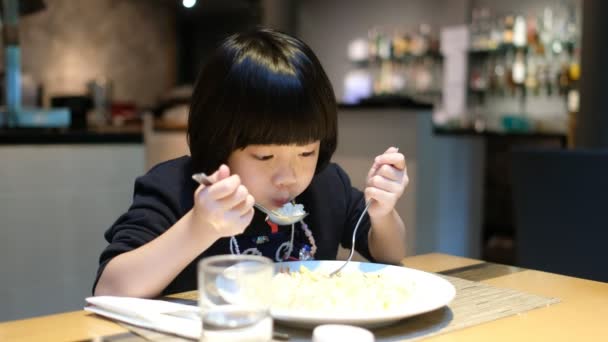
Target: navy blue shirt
{"points": [[165, 194]]}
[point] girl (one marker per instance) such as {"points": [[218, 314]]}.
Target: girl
{"points": [[262, 124]]}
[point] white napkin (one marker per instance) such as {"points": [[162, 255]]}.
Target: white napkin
{"points": [[173, 318]]}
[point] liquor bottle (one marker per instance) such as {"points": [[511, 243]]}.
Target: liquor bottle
{"points": [[384, 46], [508, 29], [563, 81], [573, 99], [484, 29], [509, 82], [424, 77], [386, 75], [544, 86], [531, 81], [475, 29], [574, 69], [532, 35], [546, 29], [419, 43], [519, 31], [400, 45], [519, 69], [499, 78], [496, 36]]}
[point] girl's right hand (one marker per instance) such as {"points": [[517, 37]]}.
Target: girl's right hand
{"points": [[224, 208]]}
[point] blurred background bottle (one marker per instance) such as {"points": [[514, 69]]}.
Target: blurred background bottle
{"points": [[100, 91]]}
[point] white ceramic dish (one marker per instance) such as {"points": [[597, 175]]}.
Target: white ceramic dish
{"points": [[430, 292]]}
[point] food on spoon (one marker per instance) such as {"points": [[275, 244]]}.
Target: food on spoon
{"points": [[350, 292], [290, 209]]}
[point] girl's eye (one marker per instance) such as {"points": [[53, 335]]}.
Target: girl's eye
{"points": [[263, 157], [308, 154]]}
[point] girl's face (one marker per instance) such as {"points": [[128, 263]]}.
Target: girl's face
{"points": [[275, 174]]}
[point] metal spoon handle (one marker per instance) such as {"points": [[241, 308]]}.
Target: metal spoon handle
{"points": [[202, 179], [352, 246], [263, 209]]}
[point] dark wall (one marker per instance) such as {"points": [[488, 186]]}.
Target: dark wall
{"points": [[201, 28], [130, 42]]}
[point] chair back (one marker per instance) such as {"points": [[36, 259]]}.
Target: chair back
{"points": [[561, 211]]}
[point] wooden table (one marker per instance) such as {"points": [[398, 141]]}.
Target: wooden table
{"points": [[582, 314]]}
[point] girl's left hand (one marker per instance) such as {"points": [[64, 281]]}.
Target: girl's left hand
{"points": [[386, 181]]}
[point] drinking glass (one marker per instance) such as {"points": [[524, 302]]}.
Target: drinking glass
{"points": [[235, 298]]}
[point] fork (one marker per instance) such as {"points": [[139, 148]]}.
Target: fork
{"points": [[352, 247]]}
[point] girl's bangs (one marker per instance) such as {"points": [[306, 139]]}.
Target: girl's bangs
{"points": [[278, 109]]}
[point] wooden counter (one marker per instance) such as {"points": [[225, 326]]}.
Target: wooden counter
{"points": [[54, 136]]}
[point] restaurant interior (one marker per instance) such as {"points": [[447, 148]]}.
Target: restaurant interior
{"points": [[499, 107]]}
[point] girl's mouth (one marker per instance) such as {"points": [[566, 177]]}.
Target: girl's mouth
{"points": [[278, 203]]}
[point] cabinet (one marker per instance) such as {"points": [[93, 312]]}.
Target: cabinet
{"points": [[524, 68], [56, 202], [394, 65]]}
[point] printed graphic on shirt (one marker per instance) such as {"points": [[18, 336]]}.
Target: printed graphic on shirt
{"points": [[275, 243]]}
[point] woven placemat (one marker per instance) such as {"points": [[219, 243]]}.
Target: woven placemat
{"points": [[475, 303]]}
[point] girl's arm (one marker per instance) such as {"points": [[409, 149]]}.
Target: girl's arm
{"points": [[386, 182], [387, 238], [223, 209], [147, 270]]}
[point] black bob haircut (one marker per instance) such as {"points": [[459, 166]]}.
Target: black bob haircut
{"points": [[260, 87]]}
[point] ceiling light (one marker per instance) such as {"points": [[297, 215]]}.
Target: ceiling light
{"points": [[188, 3]]}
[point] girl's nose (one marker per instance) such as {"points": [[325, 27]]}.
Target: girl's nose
{"points": [[285, 176]]}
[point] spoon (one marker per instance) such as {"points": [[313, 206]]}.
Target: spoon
{"points": [[352, 247], [273, 215]]}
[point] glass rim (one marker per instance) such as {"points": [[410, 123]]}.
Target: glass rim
{"points": [[208, 262]]}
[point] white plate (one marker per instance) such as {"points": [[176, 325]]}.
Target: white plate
{"points": [[430, 292]]}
